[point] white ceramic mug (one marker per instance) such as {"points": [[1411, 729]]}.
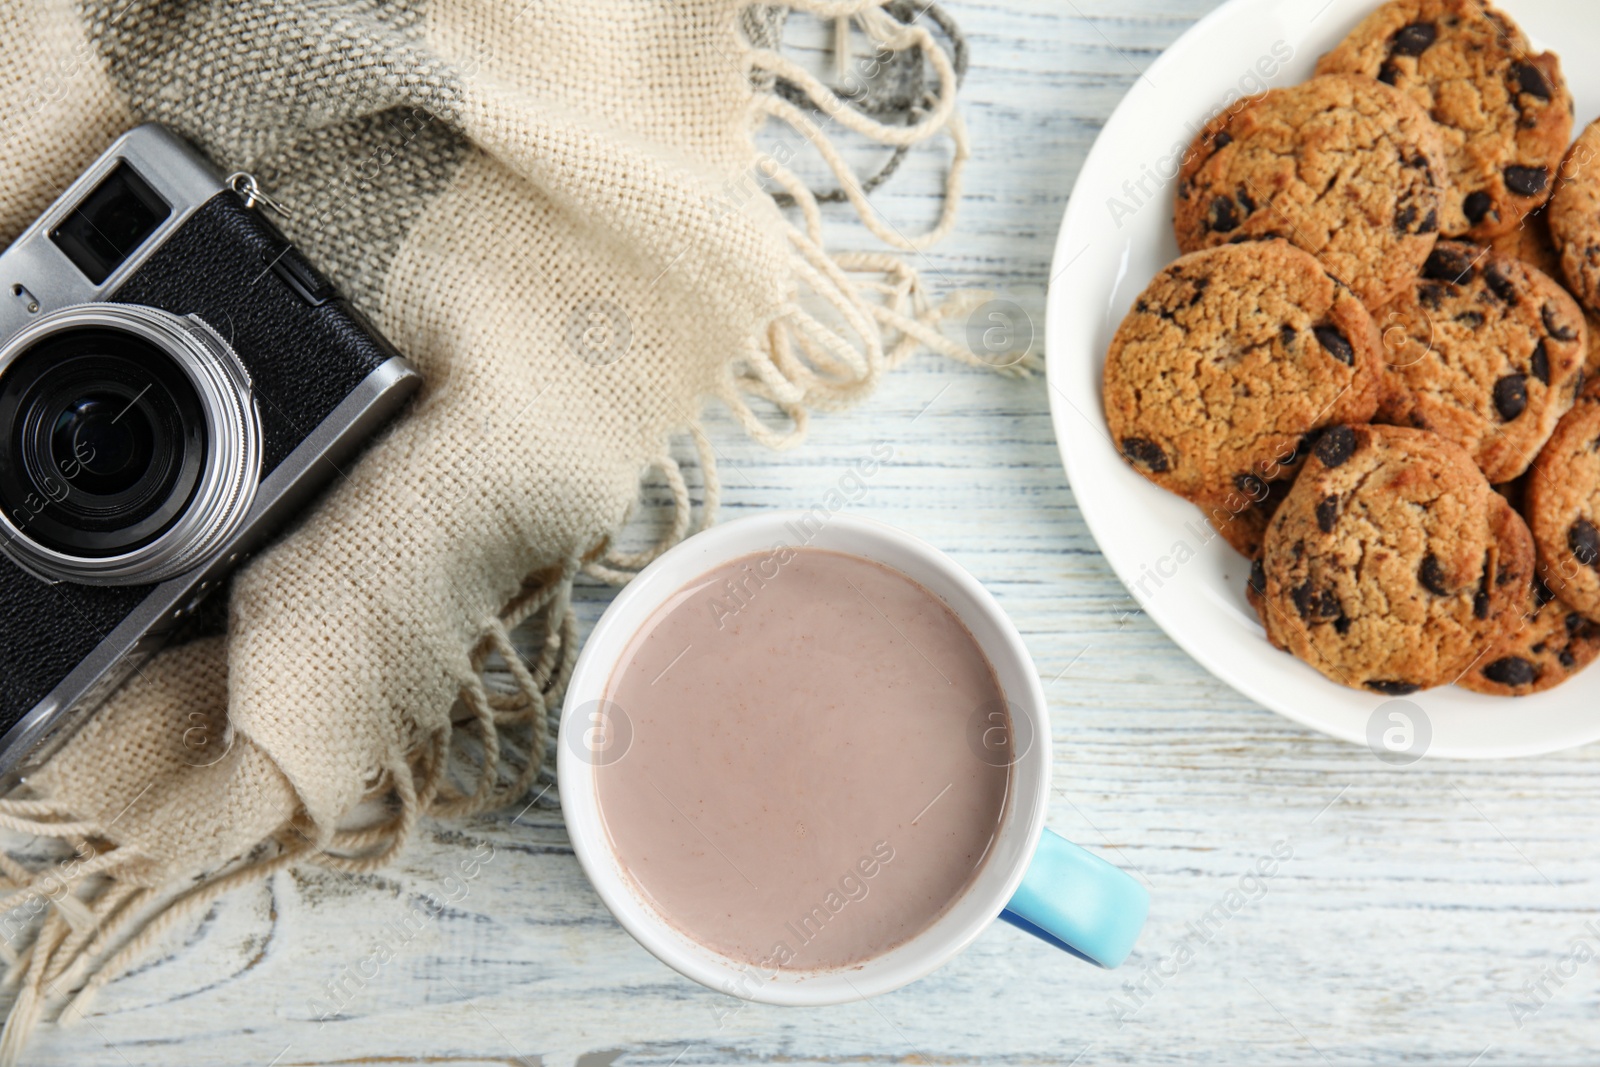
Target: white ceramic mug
{"points": [[1033, 878]]}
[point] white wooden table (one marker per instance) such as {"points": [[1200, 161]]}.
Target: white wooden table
{"points": [[1417, 904]]}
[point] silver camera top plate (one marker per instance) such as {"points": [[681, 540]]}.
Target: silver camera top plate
{"points": [[35, 274]]}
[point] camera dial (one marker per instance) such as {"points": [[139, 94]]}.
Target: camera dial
{"points": [[130, 446]]}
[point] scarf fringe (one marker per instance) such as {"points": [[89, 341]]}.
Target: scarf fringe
{"points": [[81, 946], [100, 918]]}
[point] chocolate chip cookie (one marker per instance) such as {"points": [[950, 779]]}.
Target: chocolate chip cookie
{"points": [[1505, 114], [1575, 217], [1552, 643], [1563, 507], [1344, 167], [1228, 361], [1392, 566], [1532, 243], [1483, 350]]}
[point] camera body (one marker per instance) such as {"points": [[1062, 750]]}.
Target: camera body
{"points": [[176, 381]]}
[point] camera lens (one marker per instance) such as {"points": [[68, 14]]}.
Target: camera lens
{"points": [[127, 444], [111, 442], [110, 446]]}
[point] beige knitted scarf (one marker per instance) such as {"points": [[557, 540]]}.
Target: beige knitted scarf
{"points": [[557, 211]]}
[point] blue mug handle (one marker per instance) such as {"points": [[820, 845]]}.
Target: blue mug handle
{"points": [[1078, 902]]}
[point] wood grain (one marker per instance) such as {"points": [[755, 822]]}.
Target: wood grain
{"points": [[1416, 905]]}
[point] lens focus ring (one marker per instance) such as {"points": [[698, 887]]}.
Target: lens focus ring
{"points": [[113, 461]]}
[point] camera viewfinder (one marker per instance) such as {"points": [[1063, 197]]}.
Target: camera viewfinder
{"points": [[112, 221]]}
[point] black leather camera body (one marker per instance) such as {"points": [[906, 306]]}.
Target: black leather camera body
{"points": [[176, 381]]}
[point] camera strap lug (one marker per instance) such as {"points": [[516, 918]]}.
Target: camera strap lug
{"points": [[246, 186]]}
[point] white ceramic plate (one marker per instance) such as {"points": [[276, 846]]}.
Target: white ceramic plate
{"points": [[1117, 233]]}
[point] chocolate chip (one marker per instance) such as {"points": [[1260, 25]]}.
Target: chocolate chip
{"points": [[1540, 363], [1146, 453], [1336, 446], [1502, 286], [1430, 222], [1567, 659], [1555, 327], [1243, 196], [1200, 285], [1222, 140], [1258, 578], [1472, 320], [1527, 181], [1315, 606], [1342, 625], [1413, 40], [1286, 332], [1393, 689], [1511, 396], [1336, 344], [1327, 513], [1432, 576], [1480, 604], [1531, 80], [1578, 626], [1430, 295], [1541, 594], [1224, 217], [1448, 263], [1512, 672], [1477, 206], [1388, 74], [1405, 217], [1584, 541]]}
